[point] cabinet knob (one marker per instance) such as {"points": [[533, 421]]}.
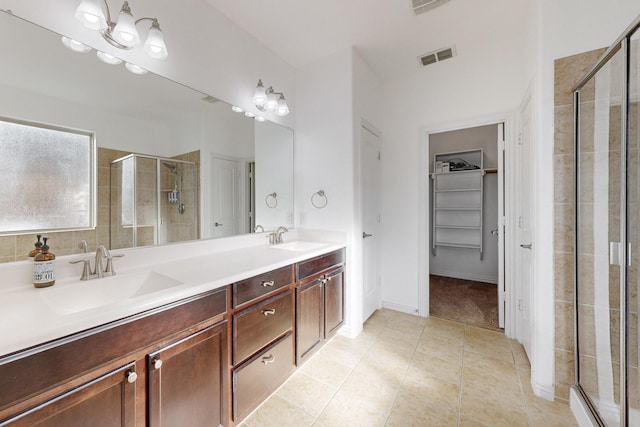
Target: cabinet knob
{"points": [[131, 376], [157, 363], [268, 359], [266, 283], [269, 311]]}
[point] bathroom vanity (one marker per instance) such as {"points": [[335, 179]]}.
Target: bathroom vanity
{"points": [[205, 359]]}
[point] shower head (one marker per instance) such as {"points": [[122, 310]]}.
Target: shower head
{"points": [[173, 167]]}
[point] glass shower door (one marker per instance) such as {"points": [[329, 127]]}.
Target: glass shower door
{"points": [[600, 215]]}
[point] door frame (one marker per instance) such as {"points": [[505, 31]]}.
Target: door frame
{"points": [[424, 209]]}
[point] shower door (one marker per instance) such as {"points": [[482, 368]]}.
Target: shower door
{"points": [[607, 244]]}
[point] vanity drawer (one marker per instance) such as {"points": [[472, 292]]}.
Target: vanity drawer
{"points": [[262, 285], [255, 327], [318, 264], [255, 380]]}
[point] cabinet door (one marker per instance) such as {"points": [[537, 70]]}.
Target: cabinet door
{"points": [[333, 302], [309, 319], [108, 401], [188, 381]]}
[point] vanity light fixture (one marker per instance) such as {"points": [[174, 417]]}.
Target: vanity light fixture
{"points": [[270, 100], [74, 45], [123, 33], [135, 69], [237, 109], [108, 58], [260, 119]]}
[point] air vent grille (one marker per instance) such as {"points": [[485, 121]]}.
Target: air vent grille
{"points": [[210, 99], [437, 56], [422, 6]]}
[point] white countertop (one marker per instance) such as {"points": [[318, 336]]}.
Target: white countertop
{"points": [[30, 316]]}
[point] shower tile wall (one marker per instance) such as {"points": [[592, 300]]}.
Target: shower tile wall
{"points": [[567, 73], [183, 227], [16, 248]]}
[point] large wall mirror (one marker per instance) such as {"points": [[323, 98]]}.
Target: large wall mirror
{"points": [[187, 166]]}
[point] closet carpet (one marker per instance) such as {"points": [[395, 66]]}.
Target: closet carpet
{"points": [[464, 301]]}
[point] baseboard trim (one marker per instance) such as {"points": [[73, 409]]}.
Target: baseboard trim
{"points": [[399, 307], [545, 392], [464, 276]]}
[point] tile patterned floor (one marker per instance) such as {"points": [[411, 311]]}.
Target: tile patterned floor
{"points": [[405, 370]]}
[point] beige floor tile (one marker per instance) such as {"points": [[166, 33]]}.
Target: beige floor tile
{"points": [[469, 422], [327, 370], [345, 410], [438, 391], [519, 354], [441, 348], [435, 326], [277, 412], [492, 347], [542, 411], [406, 325], [392, 371], [385, 353], [347, 355], [487, 410], [398, 338], [479, 371], [524, 373], [377, 389], [412, 411], [307, 393], [493, 389], [427, 366]]}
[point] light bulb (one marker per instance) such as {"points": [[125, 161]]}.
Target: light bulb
{"points": [[237, 109], [74, 45], [260, 119], [125, 31], [283, 108], [272, 101], [108, 58], [259, 96], [249, 114], [154, 46], [135, 69], [90, 13]]}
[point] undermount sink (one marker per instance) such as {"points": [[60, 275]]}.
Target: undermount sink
{"points": [[299, 245], [85, 295]]}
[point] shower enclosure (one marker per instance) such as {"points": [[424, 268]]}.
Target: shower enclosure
{"points": [[607, 165], [153, 200]]}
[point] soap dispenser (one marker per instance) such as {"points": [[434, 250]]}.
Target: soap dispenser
{"points": [[38, 245], [44, 274]]}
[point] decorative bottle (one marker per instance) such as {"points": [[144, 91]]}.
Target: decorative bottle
{"points": [[44, 273]]}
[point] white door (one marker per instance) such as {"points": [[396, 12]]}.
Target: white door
{"points": [[225, 197], [524, 220], [370, 190]]}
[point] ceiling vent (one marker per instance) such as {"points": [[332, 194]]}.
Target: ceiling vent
{"points": [[437, 56], [422, 6]]}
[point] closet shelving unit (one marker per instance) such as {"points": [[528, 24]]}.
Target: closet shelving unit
{"points": [[457, 202]]}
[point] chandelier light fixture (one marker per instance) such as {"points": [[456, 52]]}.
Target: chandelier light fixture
{"points": [[270, 100], [122, 34]]}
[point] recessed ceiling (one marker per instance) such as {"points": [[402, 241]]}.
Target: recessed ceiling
{"points": [[386, 33]]}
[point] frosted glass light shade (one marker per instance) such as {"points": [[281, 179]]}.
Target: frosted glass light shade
{"points": [[74, 45], [135, 69], [272, 102], [249, 114], [125, 31], [108, 58], [90, 13], [154, 46], [237, 109], [259, 96], [283, 108], [260, 119]]}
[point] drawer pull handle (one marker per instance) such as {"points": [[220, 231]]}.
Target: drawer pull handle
{"points": [[269, 311], [268, 283], [131, 376], [268, 359], [157, 363]]}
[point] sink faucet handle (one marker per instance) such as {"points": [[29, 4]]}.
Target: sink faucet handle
{"points": [[86, 268], [109, 270]]}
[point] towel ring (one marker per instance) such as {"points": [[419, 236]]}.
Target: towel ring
{"points": [[320, 194], [271, 203]]}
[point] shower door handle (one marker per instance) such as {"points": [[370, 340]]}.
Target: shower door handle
{"points": [[218, 224], [528, 246]]}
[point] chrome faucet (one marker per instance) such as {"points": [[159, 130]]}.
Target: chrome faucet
{"points": [[98, 270], [278, 234], [258, 229]]}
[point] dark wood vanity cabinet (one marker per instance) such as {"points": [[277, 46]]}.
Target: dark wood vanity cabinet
{"points": [[187, 380], [319, 302], [104, 376]]}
